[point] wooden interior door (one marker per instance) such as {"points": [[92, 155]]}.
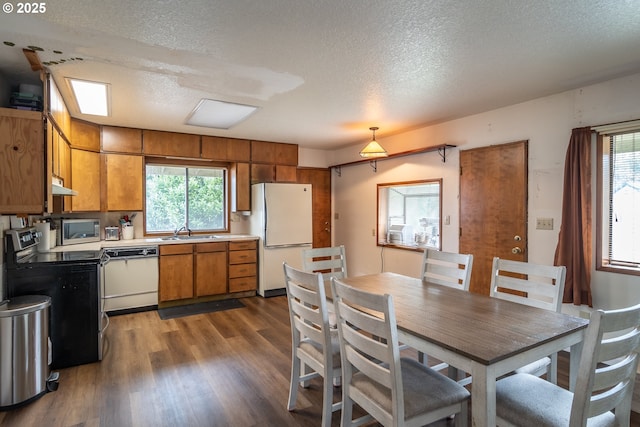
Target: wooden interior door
{"points": [[493, 207], [320, 180]]}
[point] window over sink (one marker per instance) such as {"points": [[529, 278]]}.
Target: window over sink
{"points": [[179, 196]]}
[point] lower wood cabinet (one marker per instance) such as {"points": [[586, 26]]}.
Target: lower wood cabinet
{"points": [[211, 268], [175, 272], [242, 266], [192, 271]]}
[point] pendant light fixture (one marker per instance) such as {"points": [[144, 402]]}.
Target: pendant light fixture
{"points": [[373, 149]]}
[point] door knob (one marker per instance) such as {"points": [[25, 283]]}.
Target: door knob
{"points": [[517, 238], [516, 250], [328, 230]]}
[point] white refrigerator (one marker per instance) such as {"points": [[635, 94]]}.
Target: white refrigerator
{"points": [[281, 217]]}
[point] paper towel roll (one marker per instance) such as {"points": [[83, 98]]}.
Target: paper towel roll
{"points": [[45, 237]]}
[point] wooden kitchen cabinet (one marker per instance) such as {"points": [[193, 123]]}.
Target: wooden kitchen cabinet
{"points": [[286, 173], [124, 182], [241, 187], [84, 135], [85, 180], [226, 149], [262, 173], [243, 260], [157, 143], [175, 272], [210, 268], [121, 140], [22, 160]]}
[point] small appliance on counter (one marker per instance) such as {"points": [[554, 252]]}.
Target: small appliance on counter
{"points": [[81, 230], [111, 233]]}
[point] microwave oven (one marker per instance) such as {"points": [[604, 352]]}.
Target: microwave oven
{"points": [[74, 231]]}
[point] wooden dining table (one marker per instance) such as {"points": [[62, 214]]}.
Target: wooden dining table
{"points": [[483, 336]]}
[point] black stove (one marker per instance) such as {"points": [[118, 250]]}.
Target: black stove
{"points": [[63, 257], [72, 279]]}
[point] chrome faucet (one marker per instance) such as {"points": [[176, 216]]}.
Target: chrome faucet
{"points": [[177, 230]]}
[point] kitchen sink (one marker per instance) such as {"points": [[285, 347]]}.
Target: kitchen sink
{"points": [[196, 237]]}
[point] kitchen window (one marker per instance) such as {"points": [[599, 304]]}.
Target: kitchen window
{"points": [[409, 214], [191, 196], [618, 201]]}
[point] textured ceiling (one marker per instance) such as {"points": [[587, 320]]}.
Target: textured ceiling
{"points": [[322, 72]]}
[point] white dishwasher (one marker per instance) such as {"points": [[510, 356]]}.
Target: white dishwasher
{"points": [[130, 279]]}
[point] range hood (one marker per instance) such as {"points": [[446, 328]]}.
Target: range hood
{"points": [[58, 189]]}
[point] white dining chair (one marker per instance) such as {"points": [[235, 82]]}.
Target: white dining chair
{"points": [[394, 391], [604, 385], [331, 261], [535, 285], [448, 269], [314, 345]]}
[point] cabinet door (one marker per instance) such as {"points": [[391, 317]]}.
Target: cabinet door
{"points": [[124, 182], [175, 277], [171, 144], [241, 187], [263, 152], [21, 161], [211, 273], [64, 170], [214, 148], [286, 154], [262, 173], [121, 140], [85, 135], [85, 179], [286, 173]]}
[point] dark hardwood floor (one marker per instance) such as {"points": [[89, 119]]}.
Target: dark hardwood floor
{"points": [[229, 368]]}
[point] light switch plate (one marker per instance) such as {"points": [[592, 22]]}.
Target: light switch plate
{"points": [[544, 224]]}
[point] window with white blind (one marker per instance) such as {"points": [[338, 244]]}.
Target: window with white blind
{"points": [[619, 200]]}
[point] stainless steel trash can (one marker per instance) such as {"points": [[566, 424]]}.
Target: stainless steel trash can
{"points": [[24, 349]]}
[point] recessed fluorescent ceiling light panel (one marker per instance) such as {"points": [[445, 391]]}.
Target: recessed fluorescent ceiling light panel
{"points": [[91, 97], [218, 114]]}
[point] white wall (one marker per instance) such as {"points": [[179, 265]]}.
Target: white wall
{"points": [[546, 123]]}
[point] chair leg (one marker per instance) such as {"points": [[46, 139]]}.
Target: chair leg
{"points": [[295, 380], [347, 409], [552, 369], [327, 400], [422, 358]]}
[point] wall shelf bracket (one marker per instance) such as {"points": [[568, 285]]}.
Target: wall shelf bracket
{"points": [[374, 165], [338, 170], [443, 153]]}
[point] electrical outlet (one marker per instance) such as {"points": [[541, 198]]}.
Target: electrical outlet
{"points": [[336, 215], [544, 224], [373, 232]]}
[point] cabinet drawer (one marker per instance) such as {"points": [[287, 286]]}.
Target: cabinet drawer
{"points": [[176, 249], [211, 247], [242, 270], [243, 284], [239, 246], [242, 257]]}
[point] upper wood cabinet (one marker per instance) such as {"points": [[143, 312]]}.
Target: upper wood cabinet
{"points": [[229, 149], [121, 140], [85, 179], [263, 152], [274, 153], [124, 181], [157, 143], [22, 160], [286, 154], [57, 109], [240, 187], [84, 135]]}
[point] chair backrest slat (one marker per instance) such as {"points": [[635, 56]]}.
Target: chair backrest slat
{"points": [[331, 261], [447, 268], [539, 285]]}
